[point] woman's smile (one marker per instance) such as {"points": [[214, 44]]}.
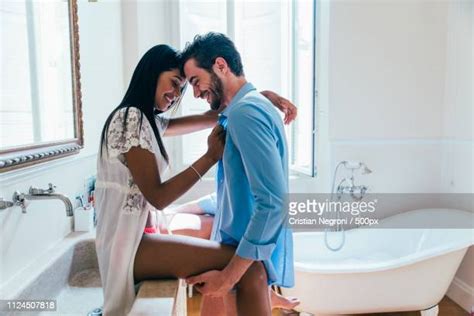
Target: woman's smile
{"points": [[169, 98]]}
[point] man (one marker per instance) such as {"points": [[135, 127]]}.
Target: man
{"points": [[252, 177]]}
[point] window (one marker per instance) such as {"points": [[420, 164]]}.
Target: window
{"points": [[276, 42], [197, 17], [302, 135]]}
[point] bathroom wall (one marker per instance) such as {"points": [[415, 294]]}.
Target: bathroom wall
{"points": [[458, 109], [381, 78], [457, 170], [24, 237], [387, 65]]}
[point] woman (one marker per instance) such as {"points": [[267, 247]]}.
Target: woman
{"points": [[130, 165]]}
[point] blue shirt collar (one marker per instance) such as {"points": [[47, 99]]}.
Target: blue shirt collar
{"points": [[246, 88]]}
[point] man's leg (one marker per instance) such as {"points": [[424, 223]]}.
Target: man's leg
{"points": [[212, 306], [250, 290], [191, 225], [280, 301]]}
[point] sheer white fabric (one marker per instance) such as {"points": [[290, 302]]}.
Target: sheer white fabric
{"points": [[122, 209]]}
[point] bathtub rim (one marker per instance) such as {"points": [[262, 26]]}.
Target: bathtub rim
{"points": [[391, 263], [386, 265]]}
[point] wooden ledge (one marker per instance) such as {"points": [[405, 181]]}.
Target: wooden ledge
{"points": [[160, 297]]}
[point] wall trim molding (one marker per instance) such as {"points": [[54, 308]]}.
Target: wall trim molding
{"points": [[15, 176], [402, 141], [462, 294]]}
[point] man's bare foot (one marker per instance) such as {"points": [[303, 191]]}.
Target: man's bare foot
{"points": [[279, 301]]}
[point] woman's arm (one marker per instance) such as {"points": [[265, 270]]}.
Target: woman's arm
{"points": [[144, 170], [284, 105], [193, 123]]}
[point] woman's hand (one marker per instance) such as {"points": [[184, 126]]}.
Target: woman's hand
{"points": [[284, 105], [215, 143]]}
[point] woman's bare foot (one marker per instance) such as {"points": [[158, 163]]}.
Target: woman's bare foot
{"points": [[279, 301]]}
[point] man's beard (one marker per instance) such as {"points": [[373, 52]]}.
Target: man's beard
{"points": [[217, 91]]}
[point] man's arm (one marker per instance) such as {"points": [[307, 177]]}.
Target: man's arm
{"points": [[252, 132]]}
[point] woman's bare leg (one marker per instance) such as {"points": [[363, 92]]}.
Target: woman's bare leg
{"points": [[160, 256], [163, 256]]}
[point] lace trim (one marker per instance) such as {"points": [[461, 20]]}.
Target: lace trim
{"points": [[135, 202], [120, 139]]}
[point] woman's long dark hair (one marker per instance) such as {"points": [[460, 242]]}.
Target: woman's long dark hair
{"points": [[141, 91]]}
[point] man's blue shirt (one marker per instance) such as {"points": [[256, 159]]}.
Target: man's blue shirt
{"points": [[252, 181]]}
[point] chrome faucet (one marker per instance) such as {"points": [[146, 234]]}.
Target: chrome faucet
{"points": [[5, 204], [347, 186], [21, 199]]}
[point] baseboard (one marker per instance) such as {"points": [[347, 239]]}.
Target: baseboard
{"points": [[462, 294]]}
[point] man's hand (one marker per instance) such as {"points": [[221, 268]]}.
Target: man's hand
{"points": [[284, 105], [212, 283], [219, 283]]}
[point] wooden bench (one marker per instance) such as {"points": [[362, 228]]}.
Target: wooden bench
{"points": [[160, 297]]}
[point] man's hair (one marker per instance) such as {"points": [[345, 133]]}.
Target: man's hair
{"points": [[206, 48]]}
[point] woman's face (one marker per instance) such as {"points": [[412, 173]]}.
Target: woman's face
{"points": [[168, 89]]}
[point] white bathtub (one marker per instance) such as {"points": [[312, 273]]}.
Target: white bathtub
{"points": [[380, 270]]}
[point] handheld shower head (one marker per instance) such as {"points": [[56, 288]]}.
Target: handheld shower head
{"points": [[354, 165], [365, 169]]}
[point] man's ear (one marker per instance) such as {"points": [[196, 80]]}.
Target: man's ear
{"points": [[220, 66]]}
